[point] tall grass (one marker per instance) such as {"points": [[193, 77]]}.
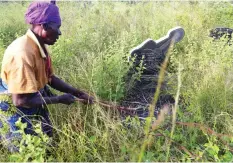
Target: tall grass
{"points": [[91, 55]]}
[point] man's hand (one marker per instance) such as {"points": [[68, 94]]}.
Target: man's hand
{"points": [[66, 99], [60, 85], [87, 99]]}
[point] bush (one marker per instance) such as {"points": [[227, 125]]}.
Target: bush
{"points": [[91, 54]]}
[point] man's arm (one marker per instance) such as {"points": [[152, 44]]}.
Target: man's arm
{"points": [[34, 100], [60, 85]]}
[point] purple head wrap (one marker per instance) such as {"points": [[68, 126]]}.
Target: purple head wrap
{"points": [[42, 12]]}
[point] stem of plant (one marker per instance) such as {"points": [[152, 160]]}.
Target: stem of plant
{"points": [[174, 112], [148, 138]]}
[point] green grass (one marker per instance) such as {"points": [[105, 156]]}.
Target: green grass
{"points": [[96, 39]]}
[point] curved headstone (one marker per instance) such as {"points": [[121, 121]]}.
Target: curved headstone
{"points": [[222, 32], [149, 54]]}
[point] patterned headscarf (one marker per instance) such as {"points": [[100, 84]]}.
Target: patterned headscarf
{"points": [[40, 12]]}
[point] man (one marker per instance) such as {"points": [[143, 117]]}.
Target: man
{"points": [[27, 69]]}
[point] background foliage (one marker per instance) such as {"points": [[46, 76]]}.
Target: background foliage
{"points": [[91, 55]]}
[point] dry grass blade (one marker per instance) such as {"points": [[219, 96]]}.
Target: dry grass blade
{"points": [[174, 111], [147, 138], [121, 109]]}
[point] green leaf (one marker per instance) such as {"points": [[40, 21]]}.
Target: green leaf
{"points": [[92, 139], [227, 157], [36, 141], [15, 158], [123, 150]]}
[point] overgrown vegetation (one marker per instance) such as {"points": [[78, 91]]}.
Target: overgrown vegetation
{"points": [[91, 54]]}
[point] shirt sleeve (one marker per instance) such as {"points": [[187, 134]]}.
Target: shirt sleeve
{"points": [[20, 74]]}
